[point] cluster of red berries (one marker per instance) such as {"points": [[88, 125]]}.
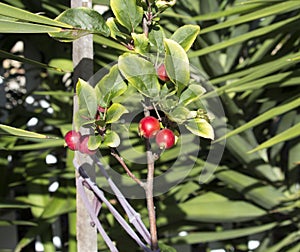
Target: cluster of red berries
{"points": [[149, 127], [77, 142]]}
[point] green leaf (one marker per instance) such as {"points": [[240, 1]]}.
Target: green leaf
{"points": [[156, 38], [114, 112], [141, 43], [266, 196], [94, 142], [109, 87], [165, 248], [19, 14], [22, 133], [244, 37], [264, 117], [261, 12], [84, 20], [180, 114], [18, 27], [140, 73], [47, 144], [163, 5], [191, 94], [127, 13], [200, 127], [213, 207], [186, 35], [177, 64], [111, 139], [87, 100], [197, 237], [284, 136], [114, 29]]}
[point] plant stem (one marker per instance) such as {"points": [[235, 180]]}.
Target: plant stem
{"points": [[149, 198], [125, 167], [149, 185]]}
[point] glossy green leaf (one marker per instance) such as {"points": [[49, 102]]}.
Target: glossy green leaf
{"points": [[109, 87], [141, 43], [46, 144], [84, 20], [10, 11], [200, 127], [156, 38], [21, 133], [162, 5], [191, 94], [127, 12], [18, 27], [180, 114], [111, 139], [87, 100], [186, 35], [94, 142], [284, 136], [114, 112], [114, 29], [177, 64], [140, 73]]}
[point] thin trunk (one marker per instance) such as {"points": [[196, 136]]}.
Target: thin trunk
{"points": [[83, 68]]}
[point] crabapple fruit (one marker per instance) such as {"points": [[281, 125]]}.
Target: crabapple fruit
{"points": [[162, 73], [165, 139], [72, 139], [149, 126], [83, 146]]}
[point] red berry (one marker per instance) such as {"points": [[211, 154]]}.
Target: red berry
{"points": [[72, 139], [162, 73], [165, 139], [149, 126], [83, 147]]}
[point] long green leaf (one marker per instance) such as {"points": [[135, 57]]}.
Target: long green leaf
{"points": [[250, 35], [10, 11], [197, 237], [22, 133], [18, 27], [284, 136], [264, 117], [264, 12], [264, 195]]}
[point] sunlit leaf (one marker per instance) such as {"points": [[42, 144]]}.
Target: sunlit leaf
{"points": [[140, 73], [200, 127], [186, 35], [127, 13], [177, 64], [110, 86], [114, 112], [84, 20]]}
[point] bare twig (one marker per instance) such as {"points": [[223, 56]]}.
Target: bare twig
{"points": [[123, 164]]}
